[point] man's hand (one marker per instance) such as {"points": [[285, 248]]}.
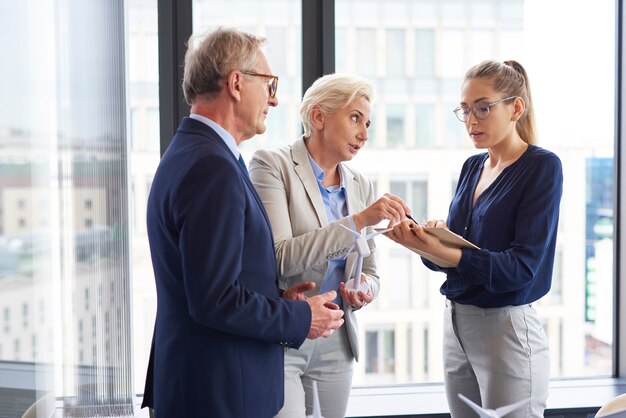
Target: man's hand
{"points": [[326, 316], [296, 292]]}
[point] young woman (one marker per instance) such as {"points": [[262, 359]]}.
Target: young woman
{"points": [[310, 196], [507, 203]]}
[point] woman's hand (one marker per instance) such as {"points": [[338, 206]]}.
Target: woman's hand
{"points": [[356, 300], [411, 235], [389, 207], [436, 223]]}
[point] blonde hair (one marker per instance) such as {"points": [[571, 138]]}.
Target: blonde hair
{"points": [[510, 78], [330, 93], [210, 57]]}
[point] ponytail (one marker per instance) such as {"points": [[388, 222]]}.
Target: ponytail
{"points": [[511, 79]]}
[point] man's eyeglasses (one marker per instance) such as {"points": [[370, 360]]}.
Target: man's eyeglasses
{"points": [[480, 110], [272, 84]]}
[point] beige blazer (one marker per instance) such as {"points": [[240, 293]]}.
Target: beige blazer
{"points": [[304, 241]]}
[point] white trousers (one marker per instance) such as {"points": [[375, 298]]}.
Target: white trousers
{"points": [[328, 361], [495, 357]]}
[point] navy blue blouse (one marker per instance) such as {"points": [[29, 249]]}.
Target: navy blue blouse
{"points": [[514, 221]]}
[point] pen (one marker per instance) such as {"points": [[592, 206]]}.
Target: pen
{"points": [[411, 218]]}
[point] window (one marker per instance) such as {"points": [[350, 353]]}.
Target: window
{"points": [[416, 53], [455, 136], [280, 22], [33, 343], [424, 53], [414, 193], [24, 315], [398, 289], [380, 352], [439, 41], [75, 154], [341, 50], [395, 57], [425, 125], [482, 44], [7, 320], [366, 41], [395, 126]]}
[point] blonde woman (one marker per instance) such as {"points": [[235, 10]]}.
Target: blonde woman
{"points": [[309, 194]]}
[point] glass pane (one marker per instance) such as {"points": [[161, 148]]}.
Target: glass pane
{"points": [[64, 216], [419, 200], [395, 126], [482, 45], [279, 21], [390, 352], [425, 125], [366, 41], [441, 40], [395, 57], [143, 105], [398, 290], [341, 50], [424, 52], [399, 189]]}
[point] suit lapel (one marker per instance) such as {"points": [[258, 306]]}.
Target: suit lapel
{"points": [[353, 190], [200, 128], [254, 193], [302, 167]]}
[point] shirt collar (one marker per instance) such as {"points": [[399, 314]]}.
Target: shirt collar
{"points": [[319, 173], [223, 133]]}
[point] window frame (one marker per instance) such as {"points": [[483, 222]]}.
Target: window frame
{"points": [[318, 58], [318, 54]]}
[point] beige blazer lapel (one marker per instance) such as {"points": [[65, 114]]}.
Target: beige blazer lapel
{"points": [[302, 167], [353, 191]]}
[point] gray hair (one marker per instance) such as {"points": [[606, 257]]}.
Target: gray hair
{"points": [[332, 92], [210, 57]]}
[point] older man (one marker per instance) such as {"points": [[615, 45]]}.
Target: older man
{"points": [[221, 325]]}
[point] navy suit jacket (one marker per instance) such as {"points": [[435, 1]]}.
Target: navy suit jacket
{"points": [[221, 325]]}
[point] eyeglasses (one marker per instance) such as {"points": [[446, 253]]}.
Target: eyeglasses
{"points": [[272, 84], [480, 110]]}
